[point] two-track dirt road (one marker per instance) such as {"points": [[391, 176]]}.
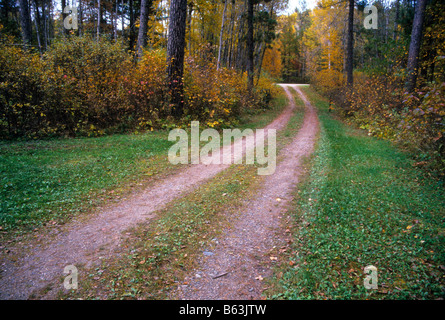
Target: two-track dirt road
{"points": [[33, 265], [240, 253]]}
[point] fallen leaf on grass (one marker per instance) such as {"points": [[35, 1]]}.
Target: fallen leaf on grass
{"points": [[259, 278]]}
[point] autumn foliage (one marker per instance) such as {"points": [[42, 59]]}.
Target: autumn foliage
{"points": [[378, 101], [81, 86]]}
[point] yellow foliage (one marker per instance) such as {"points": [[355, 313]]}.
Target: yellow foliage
{"points": [[272, 62], [323, 40]]}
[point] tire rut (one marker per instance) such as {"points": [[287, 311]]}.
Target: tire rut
{"points": [[33, 266], [238, 263]]}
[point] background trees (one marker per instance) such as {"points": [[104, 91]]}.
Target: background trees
{"points": [[383, 79], [380, 77], [131, 64], [223, 26]]}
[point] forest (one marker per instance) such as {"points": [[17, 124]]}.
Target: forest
{"points": [[104, 66], [351, 96]]}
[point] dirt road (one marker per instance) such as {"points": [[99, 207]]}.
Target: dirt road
{"points": [[238, 264], [34, 265]]}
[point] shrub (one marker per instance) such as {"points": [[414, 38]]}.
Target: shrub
{"points": [[81, 86], [83, 79], [423, 125], [219, 97], [146, 90], [413, 121], [211, 95], [21, 90]]}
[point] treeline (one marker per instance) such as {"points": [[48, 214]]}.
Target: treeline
{"points": [[397, 88], [118, 70], [221, 25]]}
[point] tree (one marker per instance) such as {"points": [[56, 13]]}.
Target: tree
{"points": [[175, 54], [99, 17], [143, 26], [221, 35], [132, 34], [322, 41], [414, 47], [250, 43], [290, 47], [64, 15], [350, 46], [25, 22]]}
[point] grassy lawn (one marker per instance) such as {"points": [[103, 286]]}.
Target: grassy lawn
{"points": [[362, 204], [49, 181]]}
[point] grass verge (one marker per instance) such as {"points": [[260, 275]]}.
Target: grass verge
{"points": [[52, 180], [362, 204]]}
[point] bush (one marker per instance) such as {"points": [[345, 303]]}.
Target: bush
{"points": [[81, 86], [423, 125], [73, 89], [146, 90], [21, 91], [211, 95], [413, 121], [83, 82], [219, 97]]}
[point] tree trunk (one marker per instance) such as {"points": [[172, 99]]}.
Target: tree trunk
{"points": [[45, 25], [350, 46], [240, 44], [221, 34], [64, 15], [189, 25], [229, 49], [175, 54], [396, 19], [250, 43], [25, 22], [80, 17], [98, 20], [143, 27], [260, 63], [37, 22], [122, 22], [115, 18], [414, 46], [132, 36]]}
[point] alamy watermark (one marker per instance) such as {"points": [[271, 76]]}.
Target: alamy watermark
{"points": [[253, 143], [70, 21], [371, 280], [70, 281], [371, 20]]}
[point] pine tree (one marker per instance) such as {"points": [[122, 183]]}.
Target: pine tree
{"points": [[175, 54], [25, 22], [414, 47]]}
